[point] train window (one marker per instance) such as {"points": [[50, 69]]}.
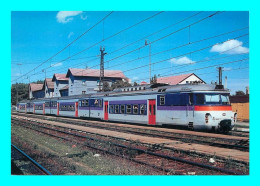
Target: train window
{"points": [[225, 99], [212, 98], [132, 89], [96, 102], [140, 88], [135, 88], [128, 109], [200, 99], [116, 109], [135, 109], [122, 109], [142, 108], [83, 103], [86, 102], [191, 99], [150, 109], [100, 103], [154, 110], [162, 100], [111, 109]]}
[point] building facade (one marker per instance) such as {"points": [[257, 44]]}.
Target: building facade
{"points": [[48, 87], [85, 81], [60, 83], [36, 91], [181, 79]]}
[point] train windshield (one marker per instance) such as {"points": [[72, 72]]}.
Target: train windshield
{"points": [[212, 99]]}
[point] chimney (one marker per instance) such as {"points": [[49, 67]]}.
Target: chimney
{"points": [[247, 90]]}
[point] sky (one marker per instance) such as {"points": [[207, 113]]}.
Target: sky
{"points": [[178, 42]]}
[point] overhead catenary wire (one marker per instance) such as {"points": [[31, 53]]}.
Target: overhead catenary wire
{"points": [[196, 22], [97, 65], [111, 36], [192, 70], [139, 58], [186, 54], [149, 35], [180, 46], [67, 45], [174, 32], [204, 48]]}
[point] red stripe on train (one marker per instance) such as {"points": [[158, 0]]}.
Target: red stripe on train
{"points": [[212, 108]]}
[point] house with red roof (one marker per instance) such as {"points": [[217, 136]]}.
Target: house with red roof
{"points": [[48, 87], [84, 81], [60, 82], [36, 91], [181, 79]]}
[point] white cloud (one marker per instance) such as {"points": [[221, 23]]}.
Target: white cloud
{"points": [[182, 60], [70, 34], [227, 68], [56, 64], [135, 78], [230, 47], [67, 16]]}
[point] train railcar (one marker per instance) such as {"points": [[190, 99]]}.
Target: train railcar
{"points": [[51, 106], [199, 107], [68, 106], [29, 107], [39, 106], [21, 107], [91, 107]]}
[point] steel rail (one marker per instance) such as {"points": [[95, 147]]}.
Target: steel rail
{"points": [[155, 134], [32, 160], [202, 165]]}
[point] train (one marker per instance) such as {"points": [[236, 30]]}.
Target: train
{"points": [[201, 107]]}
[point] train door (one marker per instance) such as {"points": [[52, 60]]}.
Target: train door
{"points": [[106, 110], [58, 109], [43, 108], [76, 109], [152, 112]]}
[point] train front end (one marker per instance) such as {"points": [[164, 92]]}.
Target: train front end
{"points": [[213, 111]]}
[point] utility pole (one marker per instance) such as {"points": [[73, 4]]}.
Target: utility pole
{"points": [[101, 77], [16, 93], [225, 81], [220, 75], [146, 43]]}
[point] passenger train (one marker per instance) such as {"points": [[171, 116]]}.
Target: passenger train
{"points": [[196, 106]]}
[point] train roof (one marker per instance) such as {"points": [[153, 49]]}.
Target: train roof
{"points": [[149, 89]]}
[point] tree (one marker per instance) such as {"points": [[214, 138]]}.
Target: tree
{"points": [[120, 84], [240, 93], [135, 84], [19, 91], [153, 80]]}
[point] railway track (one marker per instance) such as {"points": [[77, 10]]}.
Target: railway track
{"points": [[33, 167], [150, 156], [223, 141]]}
